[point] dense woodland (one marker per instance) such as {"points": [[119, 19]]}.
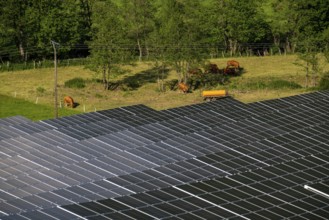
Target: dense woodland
{"points": [[179, 33]]}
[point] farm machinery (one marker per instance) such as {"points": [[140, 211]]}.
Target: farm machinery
{"points": [[211, 95]]}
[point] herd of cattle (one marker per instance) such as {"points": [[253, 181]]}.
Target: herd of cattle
{"points": [[232, 68]]}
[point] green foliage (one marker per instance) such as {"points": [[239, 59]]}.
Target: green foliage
{"points": [[10, 106], [310, 62], [177, 32], [206, 81], [109, 31], [40, 90], [262, 84], [9, 66], [77, 83], [30, 25], [324, 81], [171, 84]]}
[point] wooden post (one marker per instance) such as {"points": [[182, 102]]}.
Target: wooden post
{"points": [[55, 83]]}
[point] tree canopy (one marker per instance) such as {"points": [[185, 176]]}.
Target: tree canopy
{"points": [[181, 30]]}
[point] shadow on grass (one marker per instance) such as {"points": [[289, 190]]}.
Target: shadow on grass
{"points": [[139, 79]]}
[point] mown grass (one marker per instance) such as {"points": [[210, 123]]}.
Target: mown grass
{"points": [[263, 78], [10, 106]]}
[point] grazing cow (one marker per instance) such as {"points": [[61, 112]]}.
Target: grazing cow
{"points": [[68, 101], [233, 64], [183, 87]]}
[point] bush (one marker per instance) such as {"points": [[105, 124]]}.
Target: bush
{"points": [[40, 90], [77, 83], [324, 81], [207, 80]]}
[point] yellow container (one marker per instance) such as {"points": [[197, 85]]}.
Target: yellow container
{"points": [[214, 93]]}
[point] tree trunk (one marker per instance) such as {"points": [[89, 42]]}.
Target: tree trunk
{"points": [[307, 74], [108, 77], [140, 50], [288, 46], [21, 50], [104, 78], [233, 46]]}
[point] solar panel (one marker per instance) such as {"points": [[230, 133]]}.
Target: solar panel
{"points": [[221, 159], [13, 120]]}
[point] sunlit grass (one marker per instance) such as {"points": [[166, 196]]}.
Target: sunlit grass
{"points": [[13, 106], [262, 78]]}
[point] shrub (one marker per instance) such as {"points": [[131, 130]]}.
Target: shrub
{"points": [[324, 81], [77, 83], [40, 90]]}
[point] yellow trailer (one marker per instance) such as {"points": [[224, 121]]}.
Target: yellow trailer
{"points": [[214, 94]]}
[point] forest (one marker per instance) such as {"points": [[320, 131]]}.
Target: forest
{"points": [[178, 33]]}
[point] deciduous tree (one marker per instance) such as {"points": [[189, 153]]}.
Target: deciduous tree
{"points": [[110, 46]]}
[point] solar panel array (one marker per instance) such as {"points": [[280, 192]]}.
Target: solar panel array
{"points": [[220, 159]]}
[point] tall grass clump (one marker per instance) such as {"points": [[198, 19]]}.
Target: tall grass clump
{"points": [[77, 83], [261, 84], [283, 84]]}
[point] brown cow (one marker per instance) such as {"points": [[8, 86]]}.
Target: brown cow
{"points": [[233, 64], [183, 87], [68, 101]]}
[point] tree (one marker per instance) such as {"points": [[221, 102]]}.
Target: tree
{"points": [[30, 25], [59, 21], [109, 45], [241, 23], [283, 19], [15, 26], [313, 26], [139, 19], [178, 34]]}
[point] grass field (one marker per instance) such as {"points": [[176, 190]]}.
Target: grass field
{"points": [[13, 107], [263, 78]]}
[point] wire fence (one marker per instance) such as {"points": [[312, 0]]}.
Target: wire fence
{"points": [[15, 66], [8, 66]]}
